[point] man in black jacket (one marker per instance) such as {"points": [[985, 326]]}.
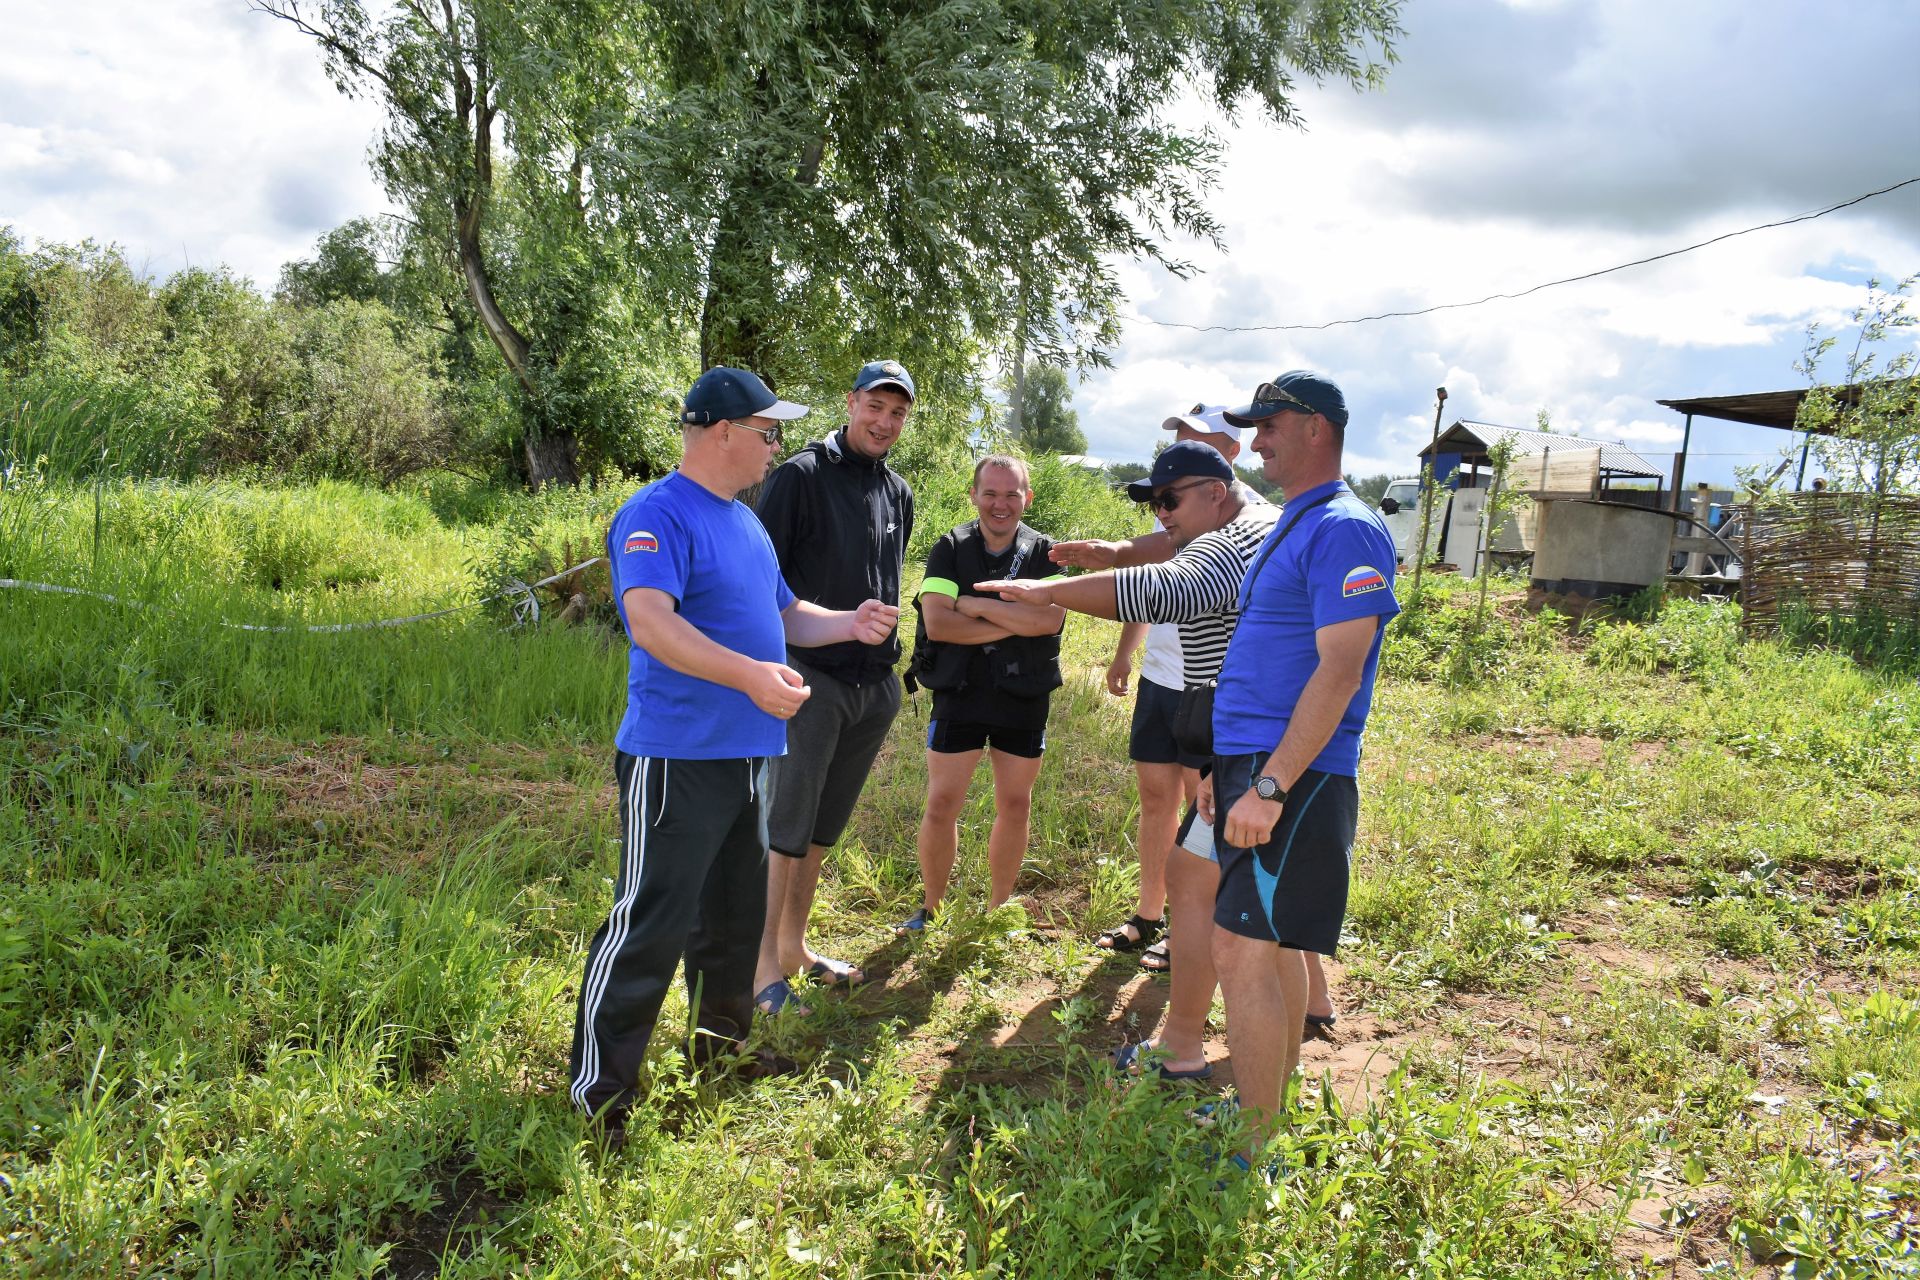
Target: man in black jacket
{"points": [[839, 519]]}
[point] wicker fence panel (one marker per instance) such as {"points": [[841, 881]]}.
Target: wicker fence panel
{"points": [[1831, 553]]}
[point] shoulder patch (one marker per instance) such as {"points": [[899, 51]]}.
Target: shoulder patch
{"points": [[641, 540], [1362, 580]]}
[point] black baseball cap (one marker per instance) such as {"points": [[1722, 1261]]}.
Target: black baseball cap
{"points": [[1179, 461], [724, 394]]}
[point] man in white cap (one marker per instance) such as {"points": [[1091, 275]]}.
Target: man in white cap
{"points": [[1166, 775], [709, 695]]}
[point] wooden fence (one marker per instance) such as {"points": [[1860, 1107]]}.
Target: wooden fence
{"points": [[1851, 553]]}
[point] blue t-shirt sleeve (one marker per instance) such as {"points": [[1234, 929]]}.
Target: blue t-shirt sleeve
{"points": [[1349, 573], [650, 546]]}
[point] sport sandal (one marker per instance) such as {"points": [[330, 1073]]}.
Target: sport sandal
{"points": [[1118, 939]]}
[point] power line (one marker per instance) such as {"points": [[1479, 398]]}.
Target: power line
{"points": [[1502, 297]]}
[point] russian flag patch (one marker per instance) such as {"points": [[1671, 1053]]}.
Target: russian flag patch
{"points": [[1362, 580], [641, 540]]}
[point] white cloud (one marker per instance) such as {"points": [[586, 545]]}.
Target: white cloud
{"points": [[196, 132], [1520, 145]]}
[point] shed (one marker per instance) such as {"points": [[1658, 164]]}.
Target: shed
{"points": [[1467, 444], [1777, 409]]}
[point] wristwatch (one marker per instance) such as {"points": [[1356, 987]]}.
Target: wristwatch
{"points": [[1269, 789]]}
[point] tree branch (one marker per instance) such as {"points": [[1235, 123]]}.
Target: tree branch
{"points": [[288, 11]]}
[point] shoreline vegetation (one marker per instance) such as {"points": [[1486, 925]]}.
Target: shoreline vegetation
{"points": [[1631, 987]]}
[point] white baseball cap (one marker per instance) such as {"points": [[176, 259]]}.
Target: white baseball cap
{"points": [[1209, 418]]}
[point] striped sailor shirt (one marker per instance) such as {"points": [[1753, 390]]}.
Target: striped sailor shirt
{"points": [[1198, 589]]}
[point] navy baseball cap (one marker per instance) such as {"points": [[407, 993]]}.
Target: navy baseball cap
{"points": [[884, 373], [1298, 390], [723, 394], [1179, 461]]}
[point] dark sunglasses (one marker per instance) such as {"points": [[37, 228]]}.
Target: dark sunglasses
{"points": [[770, 434], [1269, 393], [1170, 500]]}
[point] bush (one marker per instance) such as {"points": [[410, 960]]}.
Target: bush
{"points": [[103, 373], [373, 404], [93, 425]]}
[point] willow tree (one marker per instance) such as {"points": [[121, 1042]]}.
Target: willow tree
{"points": [[801, 187], [498, 113], [932, 178]]}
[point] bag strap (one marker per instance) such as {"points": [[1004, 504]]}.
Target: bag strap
{"points": [[1024, 543], [1273, 544]]}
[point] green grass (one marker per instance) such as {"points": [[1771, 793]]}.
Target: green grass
{"points": [[293, 927]]}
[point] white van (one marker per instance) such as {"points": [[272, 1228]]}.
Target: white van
{"points": [[1400, 504]]}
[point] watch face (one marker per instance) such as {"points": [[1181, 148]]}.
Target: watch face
{"points": [[1266, 788]]}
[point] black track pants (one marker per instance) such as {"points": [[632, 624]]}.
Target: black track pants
{"points": [[692, 882]]}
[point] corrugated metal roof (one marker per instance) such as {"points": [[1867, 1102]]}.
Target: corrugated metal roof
{"points": [[1779, 409], [1469, 438]]}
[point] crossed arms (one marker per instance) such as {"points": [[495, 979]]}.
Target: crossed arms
{"points": [[983, 619]]}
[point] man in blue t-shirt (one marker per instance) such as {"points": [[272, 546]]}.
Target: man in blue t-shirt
{"points": [[1287, 716], [709, 694]]}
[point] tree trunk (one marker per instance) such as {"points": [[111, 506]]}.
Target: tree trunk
{"points": [[742, 284], [739, 275], [553, 457], [512, 344]]}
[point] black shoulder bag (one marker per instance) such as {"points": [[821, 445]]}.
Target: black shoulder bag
{"points": [[1193, 718]]}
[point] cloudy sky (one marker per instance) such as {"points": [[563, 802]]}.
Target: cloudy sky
{"points": [[1517, 141]]}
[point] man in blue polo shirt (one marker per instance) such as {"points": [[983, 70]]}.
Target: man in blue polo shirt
{"points": [[709, 694], [1288, 713]]}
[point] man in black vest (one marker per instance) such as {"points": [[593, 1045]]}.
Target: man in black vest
{"points": [[839, 519], [992, 666]]}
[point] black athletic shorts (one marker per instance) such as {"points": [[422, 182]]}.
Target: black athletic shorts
{"points": [[954, 737], [1152, 740], [831, 744], [1293, 889]]}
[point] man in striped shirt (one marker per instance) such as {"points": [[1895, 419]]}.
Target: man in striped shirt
{"points": [[1216, 532], [1165, 774]]}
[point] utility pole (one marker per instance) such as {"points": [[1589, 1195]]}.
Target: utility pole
{"points": [[1426, 485]]}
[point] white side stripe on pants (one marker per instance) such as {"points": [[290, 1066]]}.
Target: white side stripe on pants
{"points": [[633, 860]]}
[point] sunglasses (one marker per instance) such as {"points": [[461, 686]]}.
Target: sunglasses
{"points": [[1270, 393], [770, 434], [1170, 500]]}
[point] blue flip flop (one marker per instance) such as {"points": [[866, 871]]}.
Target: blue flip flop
{"points": [[913, 926], [1127, 1058], [1207, 1114], [775, 996]]}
